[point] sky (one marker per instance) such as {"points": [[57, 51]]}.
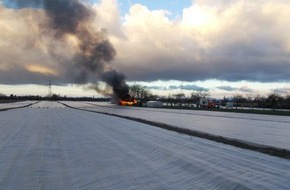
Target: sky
{"points": [[226, 47]]}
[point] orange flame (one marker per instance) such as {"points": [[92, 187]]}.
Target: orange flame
{"points": [[128, 100]]}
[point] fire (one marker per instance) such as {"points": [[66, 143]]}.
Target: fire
{"points": [[127, 100]]}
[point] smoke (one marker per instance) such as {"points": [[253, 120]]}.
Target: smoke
{"points": [[71, 22], [114, 82], [117, 82]]}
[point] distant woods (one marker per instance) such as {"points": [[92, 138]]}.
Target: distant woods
{"points": [[53, 97], [143, 94], [271, 101]]}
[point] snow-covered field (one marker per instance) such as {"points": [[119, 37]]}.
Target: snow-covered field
{"points": [[4, 106], [262, 129], [48, 146], [47, 105]]}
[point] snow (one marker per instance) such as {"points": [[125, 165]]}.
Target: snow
{"points": [[261, 129], [4, 106], [47, 104], [63, 148]]}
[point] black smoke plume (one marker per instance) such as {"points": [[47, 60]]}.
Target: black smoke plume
{"points": [[117, 82], [94, 52]]}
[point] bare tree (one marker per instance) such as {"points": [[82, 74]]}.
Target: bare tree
{"points": [[141, 93], [260, 100], [287, 102], [170, 100], [196, 96], [250, 101], [238, 99], [275, 100], [180, 97]]}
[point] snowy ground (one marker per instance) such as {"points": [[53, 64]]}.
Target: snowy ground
{"points": [[262, 129], [4, 106], [49, 147]]}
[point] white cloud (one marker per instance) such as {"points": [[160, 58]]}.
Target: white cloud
{"points": [[233, 40], [108, 17], [227, 40]]}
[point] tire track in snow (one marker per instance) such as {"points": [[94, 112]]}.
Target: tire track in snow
{"points": [[83, 150], [273, 151], [18, 107], [194, 114], [159, 150]]}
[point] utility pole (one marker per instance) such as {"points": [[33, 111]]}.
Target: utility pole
{"points": [[49, 88]]}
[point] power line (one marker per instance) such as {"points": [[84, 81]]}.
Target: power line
{"points": [[49, 88]]}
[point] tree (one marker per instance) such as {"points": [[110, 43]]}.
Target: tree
{"points": [[238, 99], [275, 100], [250, 101], [260, 100], [140, 92], [54, 97], [287, 102], [170, 100], [180, 97], [196, 96]]}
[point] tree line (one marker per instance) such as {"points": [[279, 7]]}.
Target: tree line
{"points": [[143, 94], [53, 97], [272, 100]]}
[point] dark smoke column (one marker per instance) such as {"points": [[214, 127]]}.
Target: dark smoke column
{"points": [[117, 82], [93, 52]]}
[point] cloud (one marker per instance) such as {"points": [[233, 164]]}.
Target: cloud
{"points": [[157, 87], [230, 41], [188, 87], [244, 89], [224, 40], [41, 69], [284, 91], [179, 87], [21, 45], [56, 40], [227, 88]]}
